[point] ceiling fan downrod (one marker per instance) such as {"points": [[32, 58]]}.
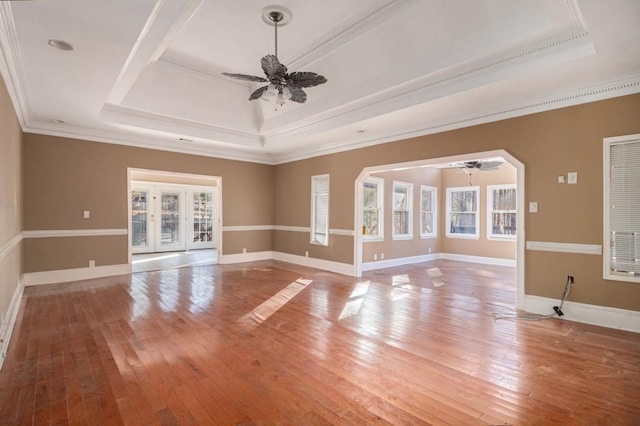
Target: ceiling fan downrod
{"points": [[275, 17]]}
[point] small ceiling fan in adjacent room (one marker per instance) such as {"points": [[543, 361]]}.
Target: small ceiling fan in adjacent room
{"points": [[282, 84], [471, 167]]}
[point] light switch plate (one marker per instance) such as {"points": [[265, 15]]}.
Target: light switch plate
{"points": [[561, 179], [533, 207], [572, 178], [86, 214]]}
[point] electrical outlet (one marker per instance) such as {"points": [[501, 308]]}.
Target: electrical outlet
{"points": [[375, 256], [306, 254], [92, 264], [571, 279], [244, 250], [381, 256]]}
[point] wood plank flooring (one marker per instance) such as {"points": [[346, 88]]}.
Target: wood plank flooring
{"points": [[259, 343]]}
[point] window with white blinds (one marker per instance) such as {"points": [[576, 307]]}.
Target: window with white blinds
{"points": [[320, 210], [622, 208]]}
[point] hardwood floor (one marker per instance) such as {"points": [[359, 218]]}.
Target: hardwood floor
{"points": [[147, 262], [274, 343]]}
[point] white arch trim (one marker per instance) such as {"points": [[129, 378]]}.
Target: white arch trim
{"points": [[520, 238]]}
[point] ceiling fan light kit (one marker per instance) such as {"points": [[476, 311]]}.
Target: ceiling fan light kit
{"points": [[282, 85]]}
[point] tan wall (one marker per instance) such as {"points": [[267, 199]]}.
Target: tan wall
{"points": [[395, 249], [63, 177], [50, 254], [484, 247], [10, 202], [549, 144]]}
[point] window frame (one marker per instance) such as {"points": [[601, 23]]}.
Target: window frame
{"points": [[448, 232], [434, 210], [409, 188], [490, 211], [607, 272], [379, 182], [313, 234]]}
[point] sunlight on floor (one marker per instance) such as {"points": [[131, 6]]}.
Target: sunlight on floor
{"points": [[262, 312], [352, 307]]}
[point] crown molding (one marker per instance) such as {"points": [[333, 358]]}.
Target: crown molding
{"points": [[152, 142], [148, 120], [586, 94], [11, 66], [562, 99]]}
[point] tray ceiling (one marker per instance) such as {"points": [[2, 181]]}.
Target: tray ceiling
{"points": [[149, 73]]}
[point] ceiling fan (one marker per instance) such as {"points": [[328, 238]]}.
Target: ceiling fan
{"points": [[285, 86], [470, 167]]}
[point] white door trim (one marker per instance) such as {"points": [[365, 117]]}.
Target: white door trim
{"points": [[203, 180]]}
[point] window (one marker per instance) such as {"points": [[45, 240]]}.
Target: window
{"points": [[622, 208], [402, 210], [320, 210], [501, 211], [462, 212], [372, 213], [428, 197]]}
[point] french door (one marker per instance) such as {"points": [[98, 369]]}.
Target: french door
{"points": [[171, 218]]}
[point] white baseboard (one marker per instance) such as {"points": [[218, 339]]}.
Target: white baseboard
{"points": [[7, 326], [227, 259], [327, 265], [79, 274], [604, 316], [388, 263], [479, 259]]}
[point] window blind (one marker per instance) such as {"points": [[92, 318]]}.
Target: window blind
{"points": [[624, 207]]}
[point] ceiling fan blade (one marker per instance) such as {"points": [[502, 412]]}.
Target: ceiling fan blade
{"points": [[490, 165], [306, 79], [258, 93], [246, 77], [298, 95], [272, 67]]}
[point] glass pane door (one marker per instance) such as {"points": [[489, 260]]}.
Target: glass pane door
{"points": [[202, 219], [170, 233], [141, 220]]}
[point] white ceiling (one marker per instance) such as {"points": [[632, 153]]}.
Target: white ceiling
{"points": [[149, 72]]}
